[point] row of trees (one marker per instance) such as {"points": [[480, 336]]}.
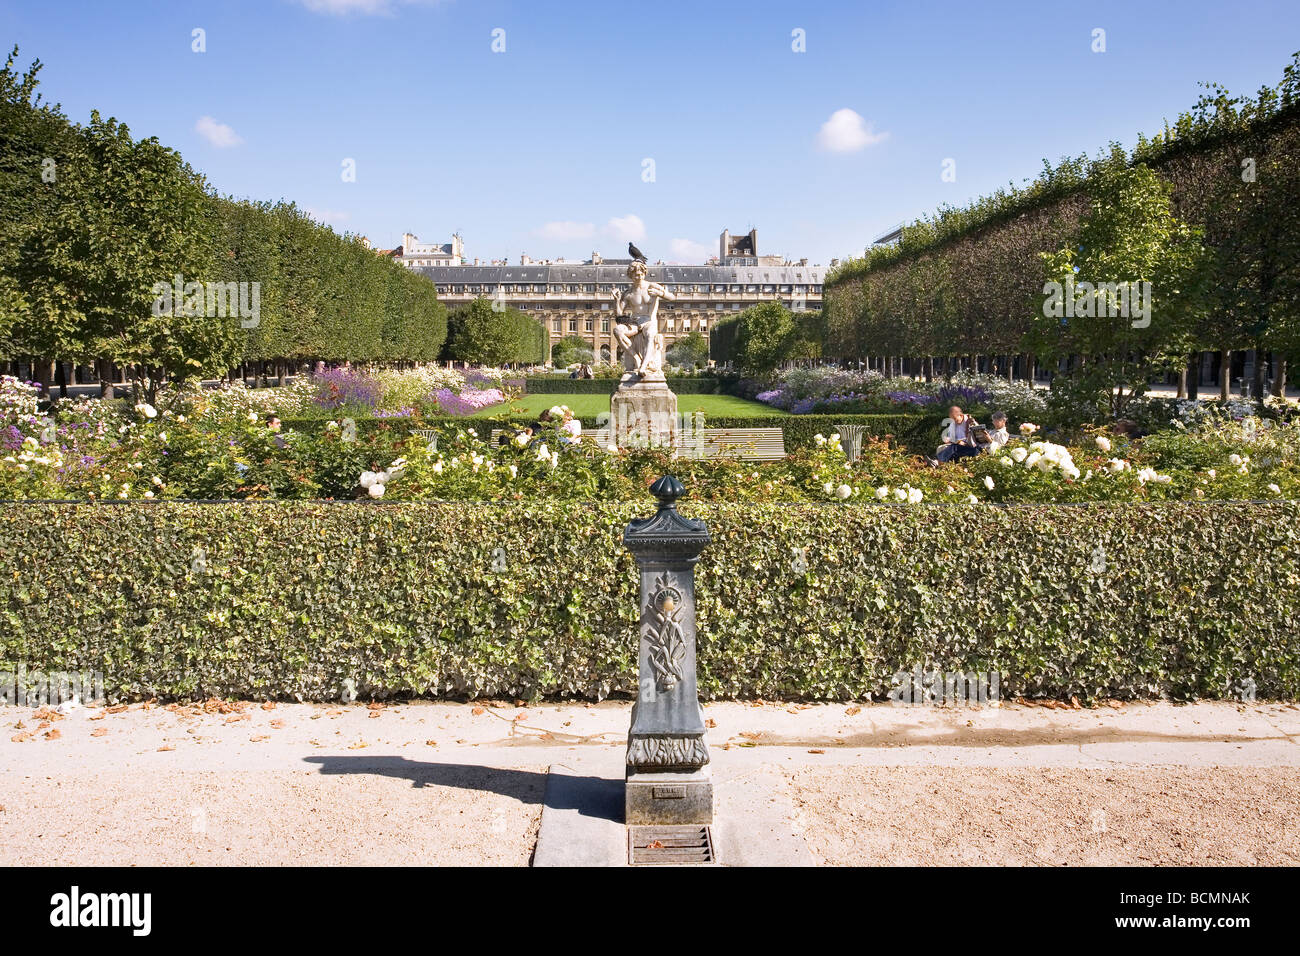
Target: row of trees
{"points": [[1208, 212], [487, 333], [759, 339], [93, 223]]}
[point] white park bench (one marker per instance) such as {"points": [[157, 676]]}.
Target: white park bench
{"points": [[751, 444]]}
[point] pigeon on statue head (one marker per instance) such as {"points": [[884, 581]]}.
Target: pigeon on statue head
{"points": [[635, 253]]}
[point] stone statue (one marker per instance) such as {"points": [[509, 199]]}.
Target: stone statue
{"points": [[636, 325]]}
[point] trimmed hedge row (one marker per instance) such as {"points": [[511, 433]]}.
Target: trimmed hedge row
{"points": [[680, 384], [288, 600]]}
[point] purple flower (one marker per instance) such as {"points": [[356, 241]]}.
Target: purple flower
{"points": [[336, 387]]}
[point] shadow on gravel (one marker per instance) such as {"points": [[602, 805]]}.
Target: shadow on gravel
{"points": [[590, 796]]}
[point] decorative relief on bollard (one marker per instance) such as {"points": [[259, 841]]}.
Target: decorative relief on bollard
{"points": [[668, 780]]}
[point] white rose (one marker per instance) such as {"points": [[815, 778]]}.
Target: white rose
{"points": [[988, 482], [377, 490], [914, 496], [1275, 489], [882, 492], [900, 494], [843, 491], [828, 487], [1019, 454], [1103, 442], [367, 479]]}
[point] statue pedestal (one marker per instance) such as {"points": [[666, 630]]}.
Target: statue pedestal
{"points": [[643, 413]]}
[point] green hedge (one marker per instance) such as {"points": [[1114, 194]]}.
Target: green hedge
{"points": [[681, 385], [289, 600]]}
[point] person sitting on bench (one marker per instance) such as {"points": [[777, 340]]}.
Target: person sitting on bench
{"points": [[957, 439]]}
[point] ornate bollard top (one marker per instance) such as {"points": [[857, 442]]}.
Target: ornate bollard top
{"points": [[666, 535], [667, 489]]}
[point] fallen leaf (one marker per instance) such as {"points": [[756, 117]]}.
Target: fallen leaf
{"points": [[373, 713], [269, 705], [165, 747], [853, 711], [46, 713], [816, 751], [708, 723], [375, 705], [54, 734], [277, 724], [21, 738], [477, 711], [99, 732], [750, 735], [654, 845], [118, 708], [431, 743], [358, 745], [236, 718], [258, 738]]}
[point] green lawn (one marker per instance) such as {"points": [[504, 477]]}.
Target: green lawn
{"points": [[589, 406]]}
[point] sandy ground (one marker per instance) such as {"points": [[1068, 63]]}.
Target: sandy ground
{"points": [[1170, 816], [423, 783]]}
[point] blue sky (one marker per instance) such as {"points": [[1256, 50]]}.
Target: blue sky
{"points": [[541, 149]]}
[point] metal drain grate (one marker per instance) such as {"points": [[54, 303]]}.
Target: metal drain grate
{"points": [[664, 845]]}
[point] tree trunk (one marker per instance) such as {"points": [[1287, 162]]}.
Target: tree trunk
{"points": [[1192, 375], [1225, 375], [1279, 377], [1260, 388], [1182, 382], [43, 373]]}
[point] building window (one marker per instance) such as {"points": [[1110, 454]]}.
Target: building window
{"points": [[588, 325], [573, 325], [556, 325], [604, 325]]}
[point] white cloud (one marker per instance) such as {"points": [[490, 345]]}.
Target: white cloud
{"points": [[331, 217], [690, 252], [847, 132], [218, 134], [565, 230], [627, 228], [366, 8]]}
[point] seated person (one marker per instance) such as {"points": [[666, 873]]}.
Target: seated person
{"points": [[990, 440], [957, 439]]}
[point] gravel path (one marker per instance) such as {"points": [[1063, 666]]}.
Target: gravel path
{"points": [[249, 783], [1169, 816]]}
